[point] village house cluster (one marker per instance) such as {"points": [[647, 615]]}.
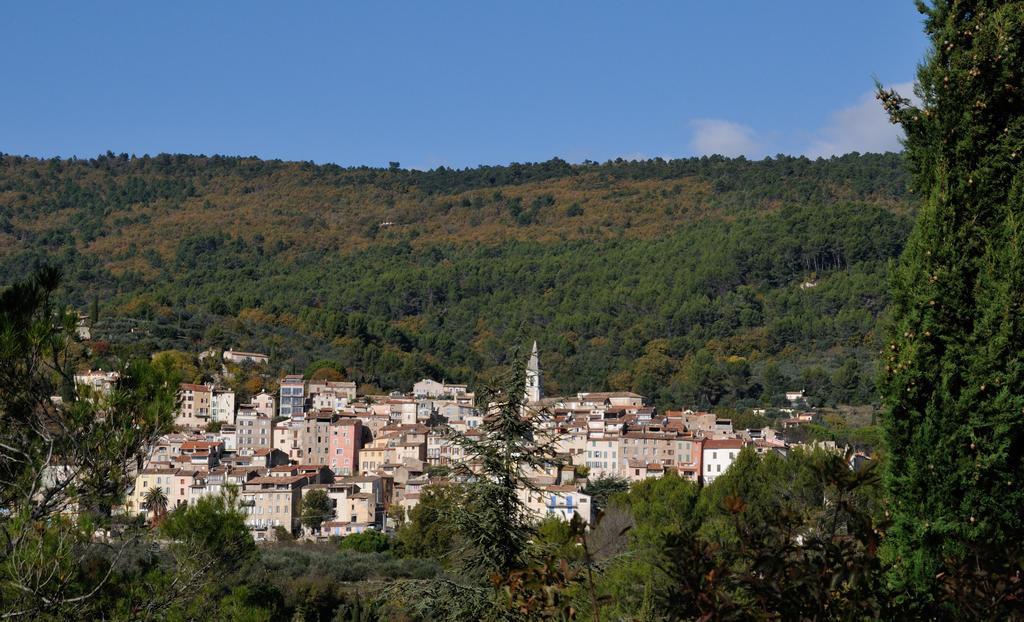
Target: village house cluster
{"points": [[373, 455]]}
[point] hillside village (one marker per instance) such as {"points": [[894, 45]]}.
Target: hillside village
{"points": [[373, 454]]}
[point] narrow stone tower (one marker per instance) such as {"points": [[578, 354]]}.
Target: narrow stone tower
{"points": [[534, 378]]}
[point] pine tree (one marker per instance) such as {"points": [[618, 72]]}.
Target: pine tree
{"points": [[514, 444], [953, 376]]}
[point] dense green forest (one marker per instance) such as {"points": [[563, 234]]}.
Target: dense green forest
{"points": [[697, 282]]}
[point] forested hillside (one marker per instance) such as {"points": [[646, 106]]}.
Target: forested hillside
{"points": [[704, 281]]}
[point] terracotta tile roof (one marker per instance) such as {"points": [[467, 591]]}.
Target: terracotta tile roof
{"points": [[562, 488], [200, 444], [158, 471], [723, 443], [294, 479]]}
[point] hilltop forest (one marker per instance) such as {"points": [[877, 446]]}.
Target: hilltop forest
{"points": [[697, 282]]}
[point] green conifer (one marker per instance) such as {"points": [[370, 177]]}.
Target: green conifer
{"points": [[953, 376]]}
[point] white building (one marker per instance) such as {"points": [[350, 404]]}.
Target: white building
{"points": [[603, 456], [428, 388], [222, 406], [719, 454], [794, 396], [99, 381], [556, 500], [233, 356], [339, 389], [433, 388], [226, 435]]}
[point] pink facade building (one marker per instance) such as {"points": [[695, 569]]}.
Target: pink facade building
{"points": [[343, 446]]}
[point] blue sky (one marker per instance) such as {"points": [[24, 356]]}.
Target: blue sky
{"points": [[452, 83]]}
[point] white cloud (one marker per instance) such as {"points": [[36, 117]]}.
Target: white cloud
{"points": [[718, 136], [862, 127]]}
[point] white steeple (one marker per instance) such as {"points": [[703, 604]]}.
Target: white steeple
{"points": [[534, 378]]}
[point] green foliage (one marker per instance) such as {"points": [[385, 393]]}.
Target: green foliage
{"points": [[324, 369], [317, 508], [603, 489], [786, 557], [953, 380], [156, 502], [500, 573], [369, 541], [64, 451], [772, 537], [430, 531], [215, 525], [493, 518], [557, 537], [316, 582], [179, 365], [687, 263]]}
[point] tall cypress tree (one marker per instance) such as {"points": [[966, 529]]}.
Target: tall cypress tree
{"points": [[953, 377]]}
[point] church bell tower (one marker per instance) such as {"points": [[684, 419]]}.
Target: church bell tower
{"points": [[534, 378]]}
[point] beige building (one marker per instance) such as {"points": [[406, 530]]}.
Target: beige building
{"points": [[253, 430], [194, 407], [373, 456], [180, 485], [315, 436], [355, 510], [616, 398], [655, 446], [265, 404], [288, 439], [146, 480], [270, 502]]}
